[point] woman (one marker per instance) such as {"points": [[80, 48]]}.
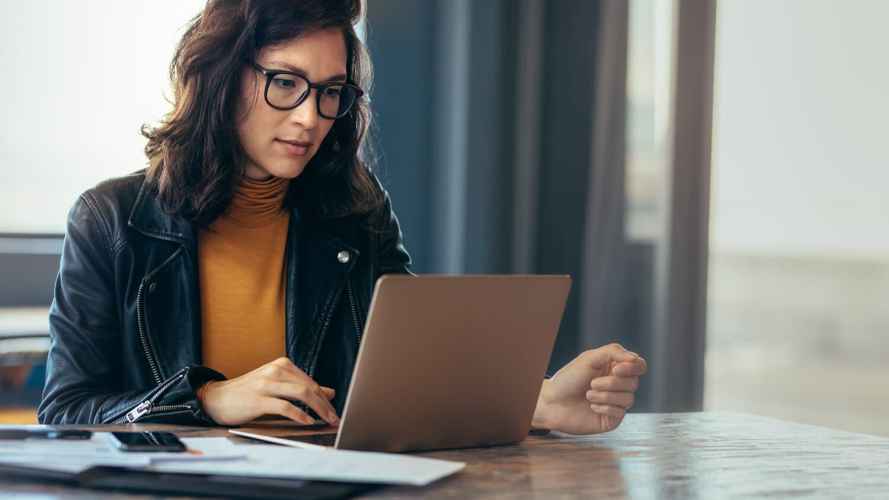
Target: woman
{"points": [[230, 279]]}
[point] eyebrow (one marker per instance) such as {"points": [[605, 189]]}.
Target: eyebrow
{"points": [[299, 71]]}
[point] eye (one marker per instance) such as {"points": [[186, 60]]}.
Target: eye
{"points": [[284, 82], [333, 91]]}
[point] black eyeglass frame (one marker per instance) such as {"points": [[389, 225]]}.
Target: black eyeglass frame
{"points": [[270, 75]]}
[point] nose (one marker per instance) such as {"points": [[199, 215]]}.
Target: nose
{"points": [[306, 114]]}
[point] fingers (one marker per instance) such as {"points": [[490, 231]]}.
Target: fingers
{"points": [[608, 411], [619, 353], [285, 380], [622, 400], [327, 392], [274, 406], [635, 368], [611, 353], [615, 384], [313, 395], [318, 402]]}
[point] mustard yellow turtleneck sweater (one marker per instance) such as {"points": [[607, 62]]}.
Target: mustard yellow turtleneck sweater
{"points": [[241, 266]]}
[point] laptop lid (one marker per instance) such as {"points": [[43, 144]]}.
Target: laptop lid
{"points": [[451, 361]]}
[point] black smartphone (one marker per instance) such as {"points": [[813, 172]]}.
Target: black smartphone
{"points": [[147, 441]]}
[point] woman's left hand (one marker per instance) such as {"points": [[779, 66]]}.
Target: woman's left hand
{"points": [[592, 393]]}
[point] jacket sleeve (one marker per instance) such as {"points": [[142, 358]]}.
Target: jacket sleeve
{"points": [[84, 361]]}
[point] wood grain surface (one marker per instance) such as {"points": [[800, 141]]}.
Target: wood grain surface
{"points": [[651, 456]]}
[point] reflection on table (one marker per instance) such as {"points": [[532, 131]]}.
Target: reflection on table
{"points": [[690, 455]]}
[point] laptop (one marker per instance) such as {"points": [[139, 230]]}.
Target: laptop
{"points": [[445, 362]]}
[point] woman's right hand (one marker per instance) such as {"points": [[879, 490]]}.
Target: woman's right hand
{"points": [[267, 390]]}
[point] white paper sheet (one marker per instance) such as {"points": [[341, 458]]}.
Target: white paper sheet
{"points": [[328, 465], [74, 456], [73, 463]]}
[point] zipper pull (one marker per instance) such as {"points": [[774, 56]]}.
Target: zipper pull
{"points": [[138, 411]]}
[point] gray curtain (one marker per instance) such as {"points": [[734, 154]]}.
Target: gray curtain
{"points": [[501, 127]]}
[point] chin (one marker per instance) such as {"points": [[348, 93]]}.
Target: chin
{"points": [[287, 169]]}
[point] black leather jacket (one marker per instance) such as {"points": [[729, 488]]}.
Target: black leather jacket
{"points": [[126, 323]]}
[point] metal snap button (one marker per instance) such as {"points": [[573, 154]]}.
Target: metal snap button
{"points": [[343, 256], [152, 287]]}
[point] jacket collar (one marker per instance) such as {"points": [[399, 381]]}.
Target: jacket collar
{"points": [[149, 218]]}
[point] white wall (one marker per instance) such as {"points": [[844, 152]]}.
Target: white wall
{"points": [[801, 143], [78, 80]]}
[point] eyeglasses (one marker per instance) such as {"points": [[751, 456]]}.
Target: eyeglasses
{"points": [[285, 90]]}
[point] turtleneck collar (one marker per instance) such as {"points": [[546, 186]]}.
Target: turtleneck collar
{"points": [[258, 203]]}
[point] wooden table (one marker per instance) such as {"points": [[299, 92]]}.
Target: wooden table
{"points": [[692, 455]]}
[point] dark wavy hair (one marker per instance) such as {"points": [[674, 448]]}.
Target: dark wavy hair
{"points": [[195, 157]]}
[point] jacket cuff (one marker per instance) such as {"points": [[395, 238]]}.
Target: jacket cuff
{"points": [[200, 375], [175, 400], [196, 378]]}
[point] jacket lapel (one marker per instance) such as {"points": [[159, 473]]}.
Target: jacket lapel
{"points": [[322, 263], [172, 296]]}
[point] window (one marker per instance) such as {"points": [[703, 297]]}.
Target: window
{"points": [[800, 214], [79, 80]]}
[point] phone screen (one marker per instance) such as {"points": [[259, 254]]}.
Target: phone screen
{"points": [[148, 441]]}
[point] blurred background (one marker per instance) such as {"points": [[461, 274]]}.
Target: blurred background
{"points": [[713, 174]]}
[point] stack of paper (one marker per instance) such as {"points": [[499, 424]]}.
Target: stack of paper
{"points": [[77, 455], [220, 456]]}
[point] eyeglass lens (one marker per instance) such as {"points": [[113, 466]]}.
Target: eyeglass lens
{"points": [[288, 91]]}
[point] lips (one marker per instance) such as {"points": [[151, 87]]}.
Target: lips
{"points": [[295, 148], [304, 144]]}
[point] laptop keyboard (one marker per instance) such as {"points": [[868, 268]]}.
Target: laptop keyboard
{"points": [[319, 439]]}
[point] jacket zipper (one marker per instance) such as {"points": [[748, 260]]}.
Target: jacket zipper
{"points": [[326, 324], [140, 316], [355, 320], [140, 320], [147, 407], [321, 333]]}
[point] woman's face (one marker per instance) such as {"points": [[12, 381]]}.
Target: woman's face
{"points": [[280, 143]]}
